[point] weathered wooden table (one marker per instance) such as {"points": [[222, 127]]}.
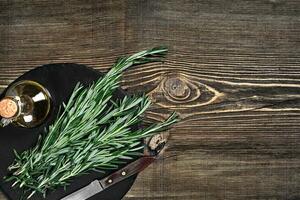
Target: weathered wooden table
{"points": [[233, 74]]}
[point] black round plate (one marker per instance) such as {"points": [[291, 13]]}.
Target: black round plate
{"points": [[60, 80]]}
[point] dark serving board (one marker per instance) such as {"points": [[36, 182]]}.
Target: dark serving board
{"points": [[60, 80]]}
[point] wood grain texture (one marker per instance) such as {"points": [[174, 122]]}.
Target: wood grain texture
{"points": [[233, 75]]}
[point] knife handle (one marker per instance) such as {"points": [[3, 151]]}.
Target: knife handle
{"points": [[128, 171]]}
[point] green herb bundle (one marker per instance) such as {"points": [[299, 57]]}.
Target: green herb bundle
{"points": [[92, 133]]}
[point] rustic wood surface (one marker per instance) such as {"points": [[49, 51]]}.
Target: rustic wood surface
{"points": [[233, 74]]}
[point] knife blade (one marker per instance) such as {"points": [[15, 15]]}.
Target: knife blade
{"points": [[99, 185], [85, 192]]}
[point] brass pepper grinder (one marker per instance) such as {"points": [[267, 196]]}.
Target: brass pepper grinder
{"points": [[26, 104]]}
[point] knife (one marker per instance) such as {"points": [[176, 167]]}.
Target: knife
{"points": [[99, 185], [153, 150]]}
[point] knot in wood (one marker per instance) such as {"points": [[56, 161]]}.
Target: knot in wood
{"points": [[177, 89], [181, 90]]}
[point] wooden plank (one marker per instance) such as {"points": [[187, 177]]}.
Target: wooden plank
{"points": [[232, 74]]}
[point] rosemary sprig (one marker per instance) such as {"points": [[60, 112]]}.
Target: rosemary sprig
{"points": [[92, 133]]}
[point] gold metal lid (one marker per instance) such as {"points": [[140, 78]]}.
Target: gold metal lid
{"points": [[8, 108]]}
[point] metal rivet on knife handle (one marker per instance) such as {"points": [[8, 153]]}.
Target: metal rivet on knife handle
{"points": [[124, 173], [110, 181]]}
